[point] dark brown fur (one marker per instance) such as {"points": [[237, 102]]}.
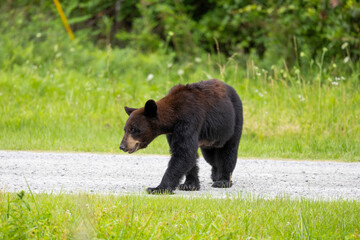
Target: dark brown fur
{"points": [[207, 114]]}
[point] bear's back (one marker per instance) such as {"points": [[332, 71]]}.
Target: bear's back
{"points": [[209, 90]]}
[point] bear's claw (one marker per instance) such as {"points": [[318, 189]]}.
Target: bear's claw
{"points": [[159, 191], [222, 184], [189, 187]]}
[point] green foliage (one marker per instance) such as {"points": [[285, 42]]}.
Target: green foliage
{"points": [[88, 216], [272, 30]]}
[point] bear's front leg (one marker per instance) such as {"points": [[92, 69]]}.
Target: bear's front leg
{"points": [[192, 182], [168, 182], [175, 171], [183, 145]]}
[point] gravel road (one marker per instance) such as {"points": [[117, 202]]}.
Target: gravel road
{"points": [[123, 174]]}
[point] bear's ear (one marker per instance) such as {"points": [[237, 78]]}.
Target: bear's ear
{"points": [[150, 108], [129, 110]]}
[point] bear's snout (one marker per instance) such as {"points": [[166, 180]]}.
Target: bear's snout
{"points": [[129, 144], [122, 147]]}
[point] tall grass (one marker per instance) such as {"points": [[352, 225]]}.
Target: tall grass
{"points": [[70, 105]]}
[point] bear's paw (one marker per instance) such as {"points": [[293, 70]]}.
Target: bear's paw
{"points": [[189, 187], [222, 184], [158, 190]]}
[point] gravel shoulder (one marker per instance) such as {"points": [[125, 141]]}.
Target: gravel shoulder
{"points": [[126, 174]]}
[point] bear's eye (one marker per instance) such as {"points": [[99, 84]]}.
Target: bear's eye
{"points": [[133, 130]]}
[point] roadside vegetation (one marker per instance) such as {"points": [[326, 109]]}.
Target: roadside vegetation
{"points": [[75, 102], [63, 95], [90, 216]]}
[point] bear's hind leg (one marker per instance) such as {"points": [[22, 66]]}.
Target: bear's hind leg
{"points": [[225, 161], [192, 182], [225, 165], [210, 157]]}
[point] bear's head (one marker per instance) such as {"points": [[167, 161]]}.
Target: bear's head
{"points": [[140, 128]]}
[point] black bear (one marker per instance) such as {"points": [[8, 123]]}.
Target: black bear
{"points": [[207, 114]]}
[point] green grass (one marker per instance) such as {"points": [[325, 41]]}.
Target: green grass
{"points": [[62, 95], [79, 107], [85, 216]]}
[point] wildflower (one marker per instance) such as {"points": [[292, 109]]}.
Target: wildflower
{"points": [[198, 60], [169, 65], [180, 72], [335, 83], [56, 47], [249, 210], [301, 98], [342, 78], [302, 54], [171, 33], [346, 59], [68, 213], [208, 75], [38, 35], [344, 45], [325, 49], [149, 77]]}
